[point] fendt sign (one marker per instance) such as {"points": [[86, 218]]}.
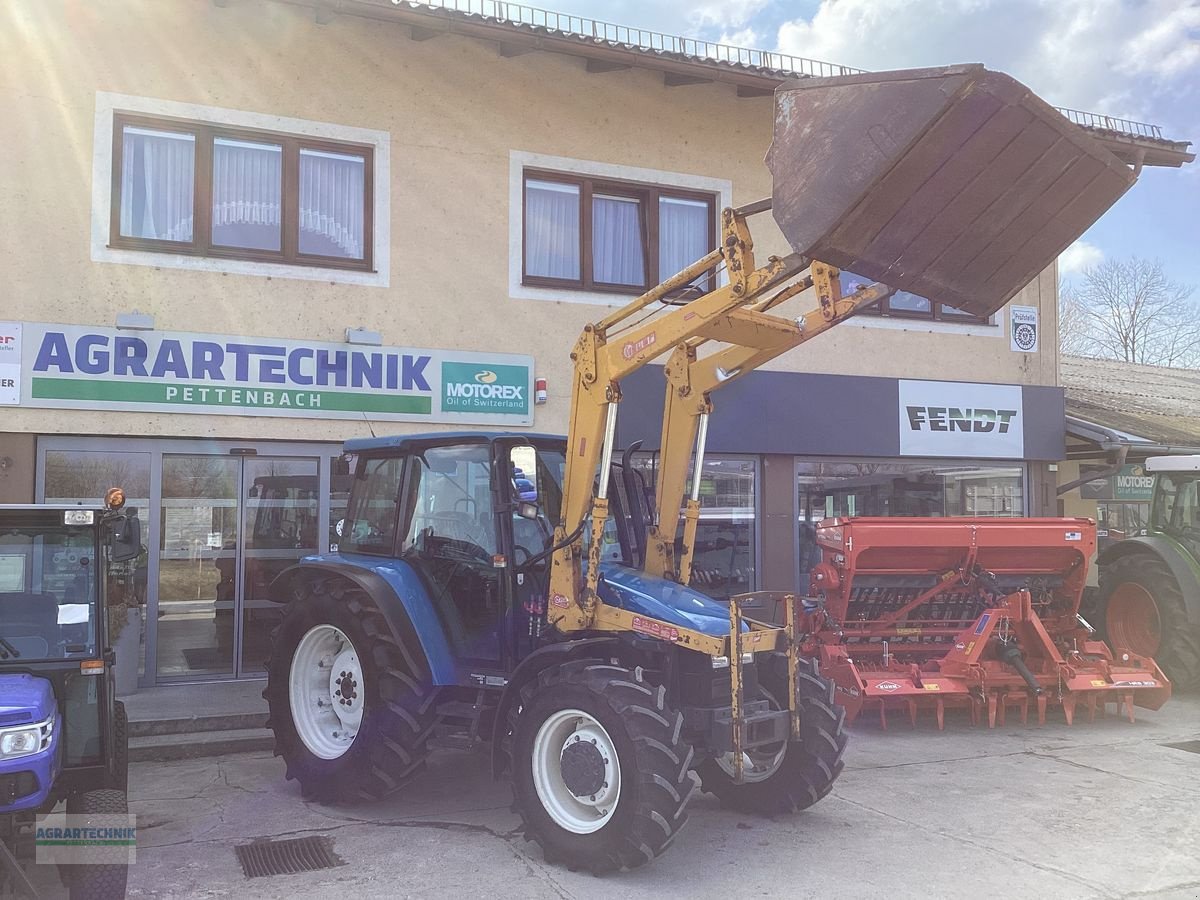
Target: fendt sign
{"points": [[950, 418], [77, 367]]}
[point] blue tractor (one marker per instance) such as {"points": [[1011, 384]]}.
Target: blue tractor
{"points": [[428, 629], [63, 734]]}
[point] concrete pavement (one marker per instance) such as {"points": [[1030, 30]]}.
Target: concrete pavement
{"points": [[1100, 810]]}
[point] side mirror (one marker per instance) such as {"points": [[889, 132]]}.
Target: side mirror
{"points": [[527, 510], [125, 538]]}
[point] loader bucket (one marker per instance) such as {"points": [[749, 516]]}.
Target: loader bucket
{"points": [[955, 183]]}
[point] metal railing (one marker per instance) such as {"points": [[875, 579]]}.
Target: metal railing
{"points": [[1111, 123], [656, 41], [638, 38]]}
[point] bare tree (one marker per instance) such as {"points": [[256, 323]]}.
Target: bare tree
{"points": [[1130, 311]]}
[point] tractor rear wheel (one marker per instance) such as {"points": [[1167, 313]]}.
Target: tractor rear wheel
{"points": [[1141, 608], [792, 776], [97, 881], [601, 775], [351, 717]]}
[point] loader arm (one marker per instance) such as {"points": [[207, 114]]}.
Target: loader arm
{"points": [[753, 338], [957, 183]]}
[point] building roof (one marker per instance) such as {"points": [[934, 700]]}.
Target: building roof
{"points": [[520, 29], [1141, 404]]}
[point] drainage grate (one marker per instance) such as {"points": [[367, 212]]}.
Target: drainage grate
{"points": [[287, 857], [1189, 746]]}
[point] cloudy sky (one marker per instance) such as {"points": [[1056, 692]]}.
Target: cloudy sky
{"points": [[1138, 59]]}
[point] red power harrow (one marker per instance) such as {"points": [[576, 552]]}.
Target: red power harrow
{"points": [[979, 614]]}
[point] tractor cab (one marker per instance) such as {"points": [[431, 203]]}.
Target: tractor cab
{"points": [[473, 517], [62, 733], [1175, 509]]}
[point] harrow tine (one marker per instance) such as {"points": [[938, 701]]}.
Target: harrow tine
{"points": [[1091, 706], [912, 710], [1024, 703], [883, 715], [1128, 698], [1003, 708], [991, 701], [1041, 709], [1068, 705], [941, 714]]}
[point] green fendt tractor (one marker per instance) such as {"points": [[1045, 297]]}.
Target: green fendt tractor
{"points": [[1149, 598]]}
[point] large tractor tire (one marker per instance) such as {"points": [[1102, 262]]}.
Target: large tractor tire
{"points": [[601, 775], [351, 712], [1141, 608], [97, 881], [786, 777]]}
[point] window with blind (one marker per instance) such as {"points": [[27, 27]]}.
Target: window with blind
{"points": [[210, 190], [592, 234]]}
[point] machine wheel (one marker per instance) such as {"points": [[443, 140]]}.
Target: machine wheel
{"points": [[351, 717], [120, 778], [100, 881], [786, 777], [1141, 608], [601, 776]]}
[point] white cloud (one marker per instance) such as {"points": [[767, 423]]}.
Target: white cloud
{"points": [[746, 37], [725, 13], [1110, 56], [1079, 256]]}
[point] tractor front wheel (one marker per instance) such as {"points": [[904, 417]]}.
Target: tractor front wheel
{"points": [[98, 881], [1142, 609], [786, 777], [351, 717], [601, 775]]}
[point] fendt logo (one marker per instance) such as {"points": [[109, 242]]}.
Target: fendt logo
{"points": [[8, 338], [951, 418], [496, 389]]}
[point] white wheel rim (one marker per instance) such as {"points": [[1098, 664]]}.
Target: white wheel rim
{"points": [[325, 687], [757, 765], [586, 812]]}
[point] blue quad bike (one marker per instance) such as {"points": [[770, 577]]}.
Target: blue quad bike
{"points": [[63, 734]]}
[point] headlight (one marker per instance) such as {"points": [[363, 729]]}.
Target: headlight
{"points": [[722, 662], [27, 740]]}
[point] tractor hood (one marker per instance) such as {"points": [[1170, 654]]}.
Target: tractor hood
{"points": [[661, 599], [25, 700], [29, 779]]}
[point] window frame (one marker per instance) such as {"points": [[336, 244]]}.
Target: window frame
{"points": [[201, 245], [883, 309], [647, 194]]}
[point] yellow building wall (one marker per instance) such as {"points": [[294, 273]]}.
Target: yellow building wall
{"points": [[454, 110]]}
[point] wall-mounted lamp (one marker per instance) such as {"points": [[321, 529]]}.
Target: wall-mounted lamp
{"points": [[362, 336], [135, 321], [539, 391]]}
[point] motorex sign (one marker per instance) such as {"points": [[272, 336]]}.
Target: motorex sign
{"points": [[491, 389], [79, 367]]}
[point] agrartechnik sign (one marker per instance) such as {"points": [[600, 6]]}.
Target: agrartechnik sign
{"points": [[80, 367]]}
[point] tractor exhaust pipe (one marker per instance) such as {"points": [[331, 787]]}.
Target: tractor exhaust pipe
{"points": [[1012, 655]]}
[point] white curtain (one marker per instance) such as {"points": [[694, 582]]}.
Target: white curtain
{"points": [[157, 179], [247, 186], [683, 229], [551, 229], [617, 240], [332, 197]]}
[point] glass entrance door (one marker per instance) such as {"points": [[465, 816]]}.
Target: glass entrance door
{"points": [[228, 526], [280, 511]]}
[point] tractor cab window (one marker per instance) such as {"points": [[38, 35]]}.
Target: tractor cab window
{"points": [[370, 525], [1176, 509], [535, 476], [450, 539], [48, 592]]}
